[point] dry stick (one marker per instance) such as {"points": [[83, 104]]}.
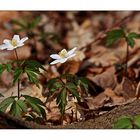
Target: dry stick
{"points": [[101, 35], [18, 79]]}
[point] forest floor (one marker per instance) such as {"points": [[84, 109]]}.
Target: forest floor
{"points": [[113, 92]]}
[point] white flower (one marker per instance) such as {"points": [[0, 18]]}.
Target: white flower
{"points": [[14, 43], [62, 56]]}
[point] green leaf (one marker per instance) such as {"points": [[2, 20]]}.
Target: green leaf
{"points": [[123, 123], [6, 103], [130, 42], [62, 100], [32, 77], [33, 100], [73, 90], [8, 67], [83, 83], [15, 109], [2, 68], [20, 23], [34, 65], [137, 121], [114, 35], [17, 74], [35, 22], [134, 35], [22, 105], [36, 105]]}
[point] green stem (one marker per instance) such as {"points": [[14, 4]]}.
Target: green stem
{"points": [[18, 86]]}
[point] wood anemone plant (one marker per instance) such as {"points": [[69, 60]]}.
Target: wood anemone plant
{"points": [[115, 35], [30, 108]]}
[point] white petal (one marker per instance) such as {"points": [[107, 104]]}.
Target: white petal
{"points": [[6, 41], [16, 37], [55, 62], [3, 46], [71, 56], [55, 56], [11, 48], [23, 39], [63, 60], [71, 51]]}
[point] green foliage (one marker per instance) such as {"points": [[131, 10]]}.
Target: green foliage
{"points": [[36, 105], [17, 74], [123, 123], [61, 87], [126, 122], [62, 100], [137, 121], [21, 107], [31, 68], [26, 26], [114, 35], [6, 103], [130, 38], [4, 67]]}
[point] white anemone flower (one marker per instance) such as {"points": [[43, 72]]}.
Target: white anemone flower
{"points": [[63, 56], [14, 43]]}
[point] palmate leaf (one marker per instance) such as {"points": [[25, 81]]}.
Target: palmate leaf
{"points": [[22, 105], [83, 83], [6, 103], [7, 67], [17, 74], [114, 35], [61, 100], [34, 65], [73, 90], [17, 108], [32, 76], [36, 104], [130, 38]]}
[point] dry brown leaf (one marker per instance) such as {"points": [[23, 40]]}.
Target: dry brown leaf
{"points": [[126, 89], [106, 79], [97, 102], [71, 67]]}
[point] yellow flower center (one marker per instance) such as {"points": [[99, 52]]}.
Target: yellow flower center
{"points": [[63, 53], [14, 42]]}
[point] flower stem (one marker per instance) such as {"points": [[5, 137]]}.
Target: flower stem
{"points": [[126, 61], [18, 86]]}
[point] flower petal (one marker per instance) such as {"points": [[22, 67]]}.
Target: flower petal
{"points": [[55, 56], [63, 60], [23, 39], [71, 51], [3, 46], [16, 37], [6, 41], [55, 62], [71, 56]]}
